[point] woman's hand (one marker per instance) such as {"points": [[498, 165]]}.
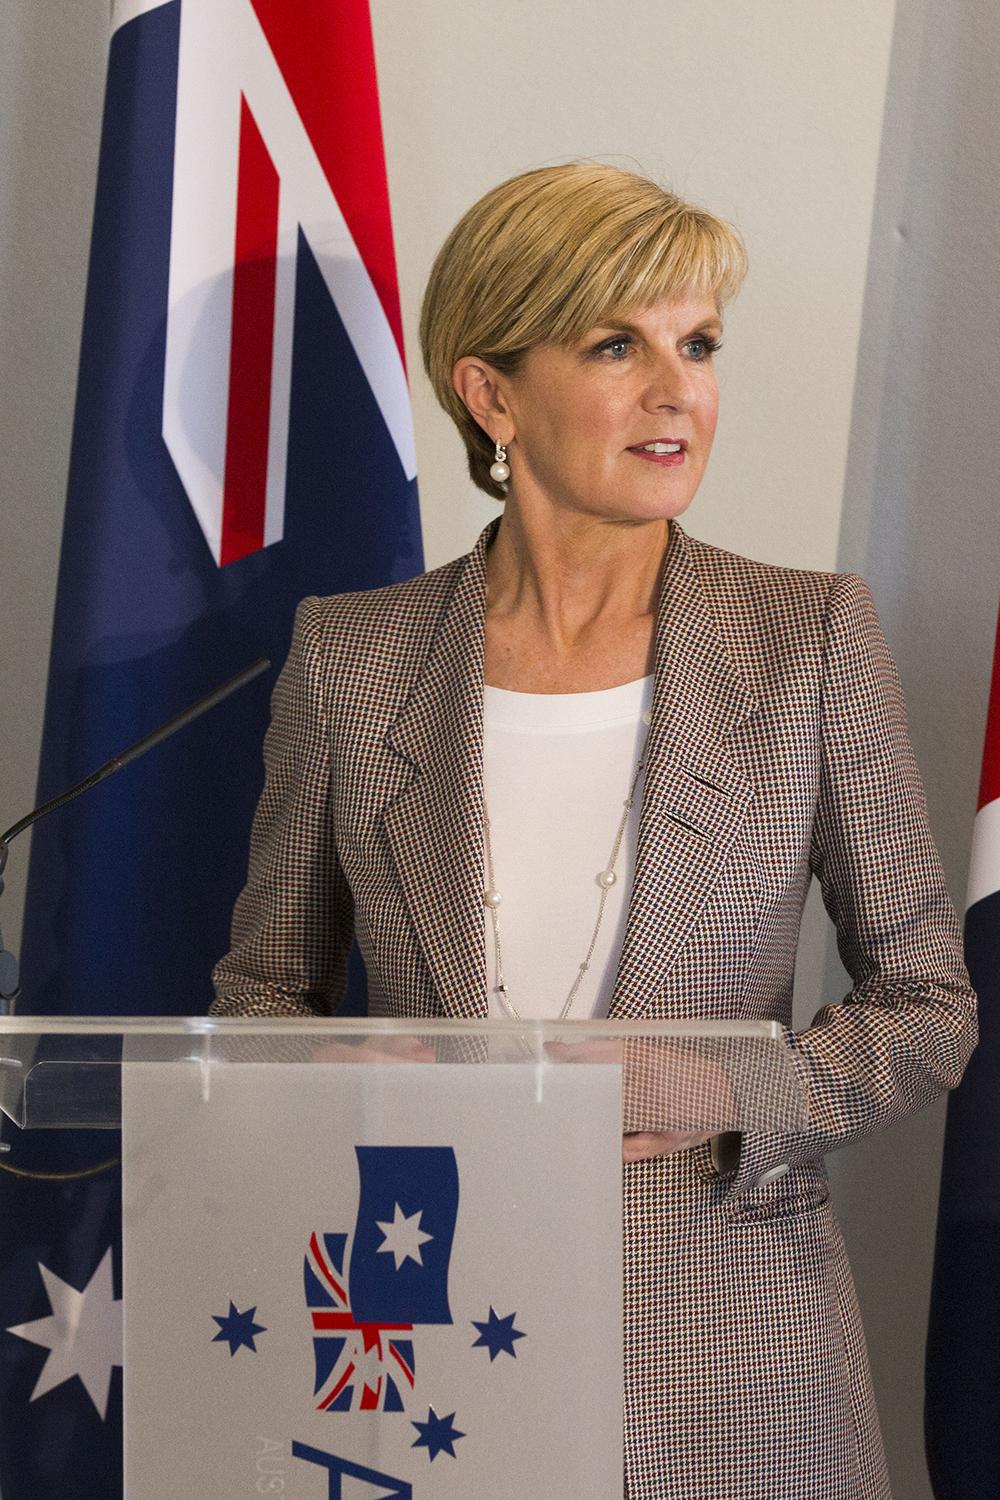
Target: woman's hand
{"points": [[670, 1066], [639, 1145], [376, 1049]]}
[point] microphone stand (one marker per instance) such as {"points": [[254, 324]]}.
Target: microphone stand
{"points": [[9, 974]]}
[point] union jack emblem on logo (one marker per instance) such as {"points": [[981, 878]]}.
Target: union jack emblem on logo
{"points": [[367, 1290], [359, 1366]]}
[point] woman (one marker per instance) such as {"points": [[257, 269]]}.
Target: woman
{"points": [[590, 769]]}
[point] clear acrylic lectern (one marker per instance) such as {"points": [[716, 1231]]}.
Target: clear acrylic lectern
{"points": [[371, 1258]]}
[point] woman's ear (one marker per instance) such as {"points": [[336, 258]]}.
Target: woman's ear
{"points": [[477, 385]]}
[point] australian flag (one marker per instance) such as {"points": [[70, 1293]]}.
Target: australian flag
{"points": [[366, 1291], [242, 439], [962, 1411]]}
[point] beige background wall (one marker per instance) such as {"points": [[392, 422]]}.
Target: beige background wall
{"points": [[855, 150], [743, 108]]}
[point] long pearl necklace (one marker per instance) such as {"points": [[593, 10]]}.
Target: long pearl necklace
{"points": [[492, 896]]}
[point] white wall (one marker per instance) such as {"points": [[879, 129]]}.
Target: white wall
{"points": [[856, 152], [742, 107]]}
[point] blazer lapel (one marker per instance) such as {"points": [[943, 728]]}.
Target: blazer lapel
{"points": [[695, 797], [435, 824]]}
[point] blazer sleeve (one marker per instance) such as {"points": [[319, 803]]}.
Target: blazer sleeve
{"points": [[907, 1028], [293, 923]]}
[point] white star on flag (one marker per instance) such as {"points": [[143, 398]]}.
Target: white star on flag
{"points": [[404, 1236], [83, 1335]]}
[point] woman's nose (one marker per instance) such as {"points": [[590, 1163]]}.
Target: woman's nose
{"points": [[671, 385]]}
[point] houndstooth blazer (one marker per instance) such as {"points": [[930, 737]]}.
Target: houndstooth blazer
{"points": [[777, 751]]}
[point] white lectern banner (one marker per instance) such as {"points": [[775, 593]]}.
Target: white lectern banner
{"points": [[360, 1282]]}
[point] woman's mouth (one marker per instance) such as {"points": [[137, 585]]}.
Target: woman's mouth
{"points": [[668, 451]]}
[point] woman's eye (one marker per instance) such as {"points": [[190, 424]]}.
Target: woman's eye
{"points": [[617, 348], [702, 348]]}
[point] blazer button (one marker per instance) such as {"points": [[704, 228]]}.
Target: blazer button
{"points": [[773, 1173]]}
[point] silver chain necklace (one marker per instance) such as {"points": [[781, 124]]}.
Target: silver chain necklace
{"points": [[492, 897]]}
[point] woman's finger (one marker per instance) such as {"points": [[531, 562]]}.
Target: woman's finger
{"points": [[391, 1049], [639, 1145]]}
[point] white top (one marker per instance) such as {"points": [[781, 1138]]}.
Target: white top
{"points": [[557, 770]]}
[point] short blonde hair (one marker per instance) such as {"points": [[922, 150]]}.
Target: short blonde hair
{"points": [[551, 253]]}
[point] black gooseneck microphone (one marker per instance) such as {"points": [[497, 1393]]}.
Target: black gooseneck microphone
{"points": [[9, 982]]}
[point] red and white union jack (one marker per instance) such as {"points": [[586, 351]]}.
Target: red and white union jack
{"points": [[369, 1367], [278, 130]]}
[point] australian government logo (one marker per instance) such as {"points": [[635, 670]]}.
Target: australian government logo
{"points": [[373, 1291]]}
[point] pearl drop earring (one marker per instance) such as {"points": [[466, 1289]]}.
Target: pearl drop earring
{"points": [[500, 468]]}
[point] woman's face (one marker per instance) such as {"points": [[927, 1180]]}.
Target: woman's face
{"points": [[586, 417]]}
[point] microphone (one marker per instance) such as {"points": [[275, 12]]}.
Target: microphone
{"points": [[9, 983]]}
